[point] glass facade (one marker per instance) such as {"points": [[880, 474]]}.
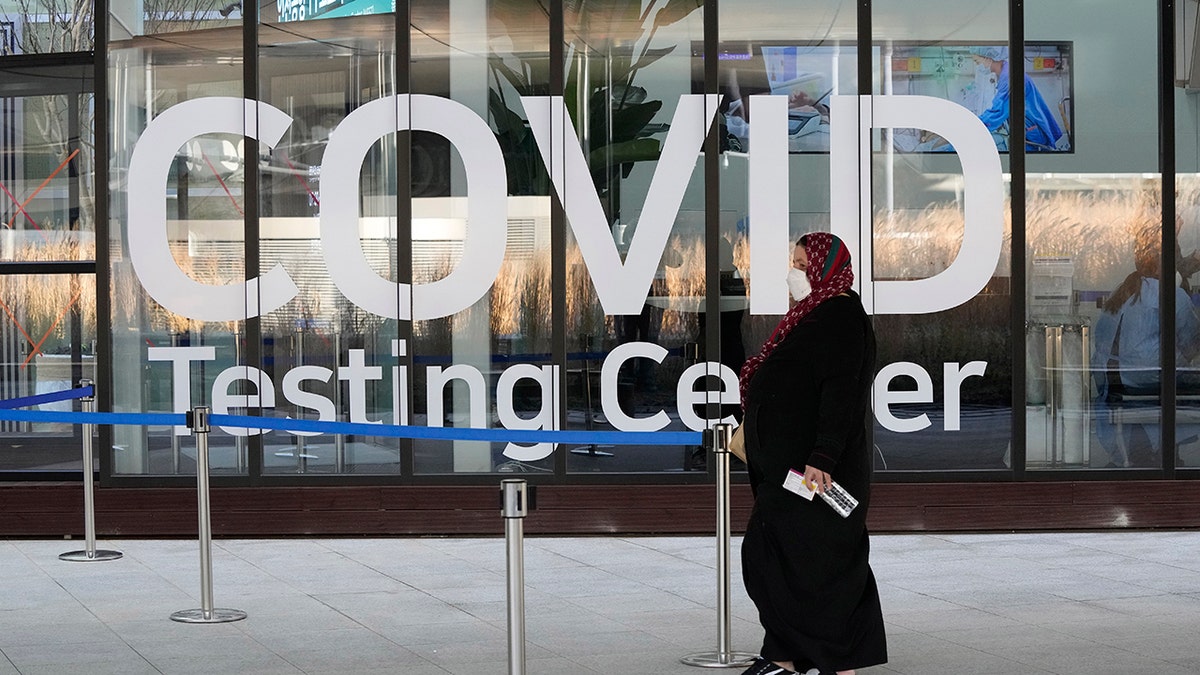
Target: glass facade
{"points": [[1094, 257], [496, 214], [950, 370], [48, 322], [627, 72]]}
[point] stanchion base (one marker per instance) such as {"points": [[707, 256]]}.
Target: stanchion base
{"points": [[82, 556], [289, 453], [218, 615], [714, 660], [592, 451]]}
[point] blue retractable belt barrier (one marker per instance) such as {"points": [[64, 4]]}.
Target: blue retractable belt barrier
{"points": [[344, 428], [52, 397], [461, 434]]}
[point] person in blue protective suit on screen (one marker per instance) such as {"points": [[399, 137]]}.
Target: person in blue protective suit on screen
{"points": [[1042, 131], [1126, 361]]}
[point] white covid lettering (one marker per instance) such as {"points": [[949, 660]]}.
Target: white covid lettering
{"points": [[770, 252], [546, 378], [546, 381], [608, 387], [850, 211], [223, 400], [150, 251], [487, 207], [181, 359], [687, 396], [436, 379], [357, 374], [293, 393], [622, 287], [953, 376]]}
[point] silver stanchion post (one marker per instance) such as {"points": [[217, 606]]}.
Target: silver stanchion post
{"points": [[89, 554], [514, 506], [724, 657], [198, 421]]}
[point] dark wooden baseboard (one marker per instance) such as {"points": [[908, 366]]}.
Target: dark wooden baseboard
{"points": [[56, 509]]}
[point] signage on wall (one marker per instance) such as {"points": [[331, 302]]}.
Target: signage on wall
{"points": [[621, 286], [304, 10]]}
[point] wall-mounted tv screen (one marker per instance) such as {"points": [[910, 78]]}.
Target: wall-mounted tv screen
{"points": [[807, 74], [973, 75], [976, 76]]}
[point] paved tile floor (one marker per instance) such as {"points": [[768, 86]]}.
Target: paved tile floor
{"points": [[1079, 603]]}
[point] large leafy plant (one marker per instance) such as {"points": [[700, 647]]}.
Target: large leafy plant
{"points": [[609, 43]]}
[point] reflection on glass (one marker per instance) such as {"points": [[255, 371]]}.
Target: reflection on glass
{"points": [[45, 27], [1126, 350], [162, 361], [1094, 252], [489, 365], [1187, 265], [133, 18], [943, 394], [46, 179], [626, 69], [1093, 337], [328, 359], [47, 339]]}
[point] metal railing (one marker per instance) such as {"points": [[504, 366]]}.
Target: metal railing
{"points": [[724, 657], [89, 553]]}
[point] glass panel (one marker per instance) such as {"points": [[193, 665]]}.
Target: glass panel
{"points": [[45, 27], [178, 345], [1094, 246], [47, 344], [486, 365], [47, 183], [627, 67], [943, 396], [183, 20], [1187, 312], [327, 358], [1187, 209], [810, 60]]}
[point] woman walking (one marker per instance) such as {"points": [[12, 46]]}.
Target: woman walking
{"points": [[806, 402]]}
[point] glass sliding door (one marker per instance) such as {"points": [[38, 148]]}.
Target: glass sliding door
{"points": [[943, 396], [629, 80], [480, 221], [174, 346], [1094, 240], [324, 357]]}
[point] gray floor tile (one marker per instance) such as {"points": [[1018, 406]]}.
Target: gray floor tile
{"points": [[353, 659], [270, 664], [68, 630], [485, 653], [1090, 658], [94, 668], [919, 654], [73, 657]]}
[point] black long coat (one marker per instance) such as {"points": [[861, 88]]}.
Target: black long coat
{"points": [[805, 567]]}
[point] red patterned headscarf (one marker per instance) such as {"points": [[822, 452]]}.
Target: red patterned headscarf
{"points": [[830, 275]]}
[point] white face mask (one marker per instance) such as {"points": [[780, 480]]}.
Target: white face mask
{"points": [[798, 284]]}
